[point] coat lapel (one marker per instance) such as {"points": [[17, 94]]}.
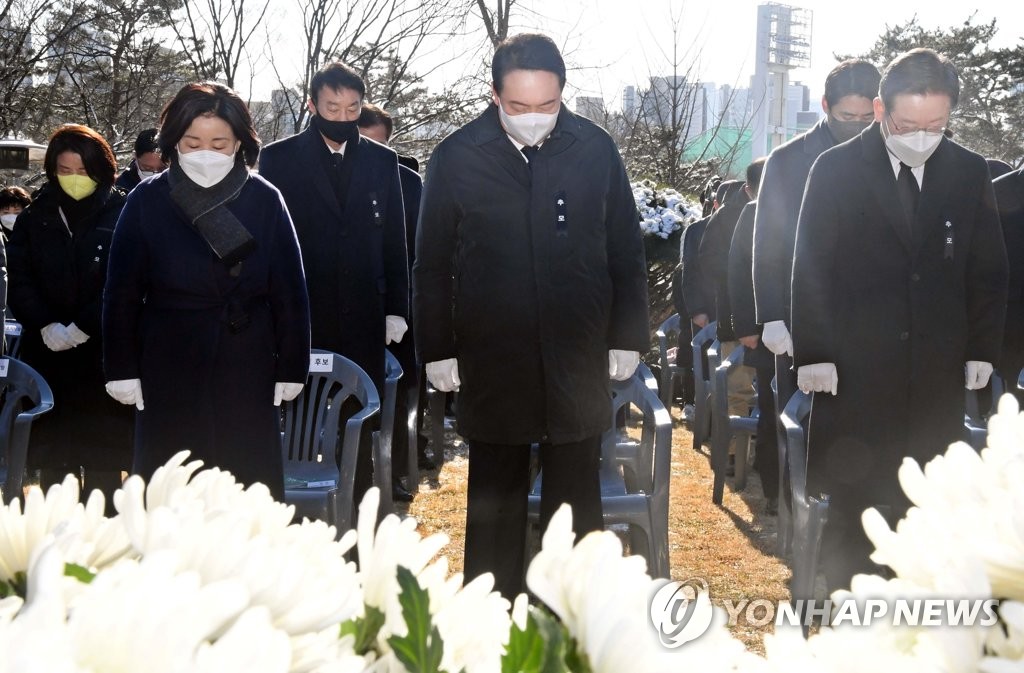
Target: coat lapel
{"points": [[883, 182], [312, 148]]}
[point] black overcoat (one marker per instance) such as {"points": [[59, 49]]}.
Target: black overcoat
{"points": [[713, 259], [58, 276], [529, 282], [168, 310], [741, 289], [697, 296], [355, 259], [1009, 191], [899, 315], [779, 197]]}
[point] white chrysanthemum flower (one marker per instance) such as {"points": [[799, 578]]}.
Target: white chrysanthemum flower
{"points": [[474, 625], [394, 543], [222, 531], [251, 645], [85, 537]]}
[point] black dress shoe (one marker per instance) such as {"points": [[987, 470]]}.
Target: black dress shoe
{"points": [[399, 493]]}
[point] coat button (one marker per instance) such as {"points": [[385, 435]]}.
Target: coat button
{"points": [[904, 336], [915, 277]]}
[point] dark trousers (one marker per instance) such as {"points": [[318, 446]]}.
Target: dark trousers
{"points": [[499, 483], [766, 460]]}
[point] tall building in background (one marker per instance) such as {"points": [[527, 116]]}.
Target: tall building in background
{"points": [[591, 107], [783, 43], [629, 102]]}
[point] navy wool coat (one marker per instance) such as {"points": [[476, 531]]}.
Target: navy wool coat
{"points": [[355, 258], [58, 276], [898, 313], [168, 304], [528, 277]]}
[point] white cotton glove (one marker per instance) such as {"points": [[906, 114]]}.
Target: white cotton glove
{"points": [[394, 329], [57, 338], [977, 374], [622, 364], [78, 337], [776, 338], [819, 378], [286, 391], [444, 375], [127, 391]]}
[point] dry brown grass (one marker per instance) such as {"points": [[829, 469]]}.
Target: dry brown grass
{"points": [[731, 547]]}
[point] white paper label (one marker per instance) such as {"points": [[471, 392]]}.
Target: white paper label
{"points": [[3, 368], [321, 362], [12, 328]]}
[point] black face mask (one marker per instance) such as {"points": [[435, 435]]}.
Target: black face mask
{"points": [[843, 131], [339, 132]]}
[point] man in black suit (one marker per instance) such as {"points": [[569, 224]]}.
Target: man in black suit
{"points": [[345, 198], [1009, 189], [898, 300], [849, 90], [376, 124]]}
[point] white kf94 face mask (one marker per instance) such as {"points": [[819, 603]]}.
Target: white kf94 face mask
{"points": [[913, 149], [530, 128], [206, 167]]}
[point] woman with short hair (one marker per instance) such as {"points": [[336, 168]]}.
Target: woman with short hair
{"points": [[57, 262], [205, 313]]}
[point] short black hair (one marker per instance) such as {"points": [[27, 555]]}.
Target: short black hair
{"points": [[526, 51], [754, 171], [97, 157], [372, 115], [209, 99], [920, 71], [146, 143], [336, 76], [852, 77], [14, 196]]}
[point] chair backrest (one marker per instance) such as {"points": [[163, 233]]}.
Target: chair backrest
{"points": [[311, 423], [794, 418], [670, 327], [12, 337], [655, 453], [26, 395], [382, 465], [698, 346]]}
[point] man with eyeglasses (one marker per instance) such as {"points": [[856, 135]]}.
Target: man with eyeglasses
{"points": [[345, 198], [898, 300]]}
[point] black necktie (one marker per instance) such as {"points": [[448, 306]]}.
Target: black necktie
{"points": [[906, 185], [530, 152]]}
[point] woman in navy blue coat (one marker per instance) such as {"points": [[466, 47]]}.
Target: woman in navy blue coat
{"points": [[205, 311]]}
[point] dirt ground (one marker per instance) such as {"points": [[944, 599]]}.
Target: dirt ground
{"points": [[731, 547]]}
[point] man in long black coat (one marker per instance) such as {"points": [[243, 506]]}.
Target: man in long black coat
{"points": [[345, 198], [849, 90], [1009, 190], [529, 291], [896, 295]]}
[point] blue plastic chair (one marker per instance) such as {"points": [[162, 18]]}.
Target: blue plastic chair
{"points": [[668, 335], [21, 387], [12, 337], [976, 419], [785, 516], [314, 482], [723, 425], [383, 439], [702, 384], [641, 499], [810, 514]]}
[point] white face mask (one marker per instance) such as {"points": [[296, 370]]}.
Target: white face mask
{"points": [[145, 174], [206, 167], [531, 128], [912, 149], [8, 220]]}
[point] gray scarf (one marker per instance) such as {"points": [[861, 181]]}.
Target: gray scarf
{"points": [[207, 210]]}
